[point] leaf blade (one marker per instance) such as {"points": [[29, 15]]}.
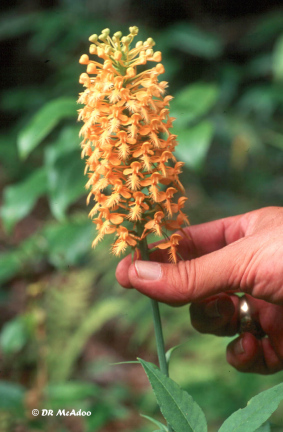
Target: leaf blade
{"points": [[186, 416], [257, 411], [43, 122]]}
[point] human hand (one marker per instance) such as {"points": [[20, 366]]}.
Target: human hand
{"points": [[236, 254]]}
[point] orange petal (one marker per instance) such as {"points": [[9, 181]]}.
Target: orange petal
{"points": [[145, 182], [116, 219], [164, 245], [125, 194], [127, 171], [149, 224], [131, 241]]}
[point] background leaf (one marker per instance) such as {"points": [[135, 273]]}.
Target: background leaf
{"points": [[264, 428], [278, 59], [69, 242], [257, 411], [64, 187], [194, 40], [43, 122], [194, 144], [20, 198], [13, 336], [11, 395], [193, 102], [161, 426]]}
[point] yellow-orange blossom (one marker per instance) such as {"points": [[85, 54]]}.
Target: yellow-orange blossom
{"points": [[133, 174]]}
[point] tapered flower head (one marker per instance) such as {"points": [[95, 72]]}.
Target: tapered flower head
{"points": [[133, 176]]}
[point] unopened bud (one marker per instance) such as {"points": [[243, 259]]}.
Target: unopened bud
{"points": [[103, 37], [157, 56], [118, 35], [117, 55], [84, 59], [83, 78], [93, 49], [131, 73], [100, 52], [126, 40], [93, 38], [160, 68], [91, 68], [150, 42], [134, 30]]}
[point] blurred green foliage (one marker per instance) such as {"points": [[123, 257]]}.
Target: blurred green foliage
{"points": [[66, 318]]}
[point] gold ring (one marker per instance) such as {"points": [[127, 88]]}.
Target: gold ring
{"points": [[247, 323]]}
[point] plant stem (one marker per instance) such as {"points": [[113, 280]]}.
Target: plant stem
{"points": [[156, 316], [159, 337]]}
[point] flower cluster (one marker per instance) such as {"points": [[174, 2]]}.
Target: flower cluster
{"points": [[133, 173]]}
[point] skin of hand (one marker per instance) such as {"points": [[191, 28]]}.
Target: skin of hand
{"points": [[236, 254]]}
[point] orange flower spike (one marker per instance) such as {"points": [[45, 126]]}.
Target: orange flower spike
{"points": [[125, 112]]}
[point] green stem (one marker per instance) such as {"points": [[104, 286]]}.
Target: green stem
{"points": [[159, 337], [156, 316]]}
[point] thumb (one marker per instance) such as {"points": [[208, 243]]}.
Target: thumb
{"points": [[193, 280]]}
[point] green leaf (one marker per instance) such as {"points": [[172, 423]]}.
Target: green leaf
{"points": [[194, 41], [13, 336], [170, 352], [257, 411], [96, 317], [192, 102], [70, 391], [161, 426], [12, 25], [43, 122], [11, 395], [267, 27], [264, 428], [193, 144], [10, 264], [278, 59], [20, 198], [65, 181], [177, 406], [69, 242]]}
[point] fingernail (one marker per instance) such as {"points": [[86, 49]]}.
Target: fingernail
{"points": [[211, 309], [148, 270], [238, 347]]}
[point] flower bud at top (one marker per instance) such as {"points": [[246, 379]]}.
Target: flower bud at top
{"points": [[93, 38]]}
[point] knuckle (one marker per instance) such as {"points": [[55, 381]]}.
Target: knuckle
{"points": [[183, 280]]}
